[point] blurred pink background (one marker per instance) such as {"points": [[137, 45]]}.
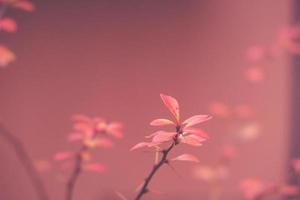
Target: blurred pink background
{"points": [[112, 59]]}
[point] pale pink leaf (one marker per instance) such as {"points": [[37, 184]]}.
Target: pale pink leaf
{"points": [[74, 137], [106, 143], [63, 155], [156, 133], [144, 144], [140, 145], [115, 129], [120, 195], [24, 5], [193, 140], [95, 167], [8, 24], [161, 122], [163, 136], [196, 119], [81, 118], [186, 157], [85, 128], [6, 56], [195, 131], [172, 104]]}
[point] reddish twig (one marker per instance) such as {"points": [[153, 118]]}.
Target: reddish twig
{"points": [[75, 174], [26, 161], [156, 167], [164, 160]]}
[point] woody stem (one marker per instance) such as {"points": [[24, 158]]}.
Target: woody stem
{"points": [[75, 173], [156, 167]]}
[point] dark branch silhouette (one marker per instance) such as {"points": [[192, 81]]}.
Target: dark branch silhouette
{"points": [[26, 162], [164, 160], [75, 173]]}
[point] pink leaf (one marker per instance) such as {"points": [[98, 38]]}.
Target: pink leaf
{"points": [[6, 56], [74, 137], [144, 144], [81, 118], [24, 5], [8, 24], [252, 187], [63, 155], [172, 104], [163, 136], [115, 129], [86, 129], [196, 119], [156, 133], [193, 140], [95, 167], [121, 196], [196, 131], [161, 122], [106, 143], [187, 157], [140, 145]]}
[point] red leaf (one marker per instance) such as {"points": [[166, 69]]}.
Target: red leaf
{"points": [[161, 122], [172, 104]]}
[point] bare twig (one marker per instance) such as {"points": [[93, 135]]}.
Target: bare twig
{"points": [[75, 173], [164, 160], [26, 161]]}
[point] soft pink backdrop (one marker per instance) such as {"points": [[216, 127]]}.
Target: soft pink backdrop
{"points": [[112, 59]]}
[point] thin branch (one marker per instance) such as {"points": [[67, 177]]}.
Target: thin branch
{"points": [[164, 159], [75, 174], [26, 161]]}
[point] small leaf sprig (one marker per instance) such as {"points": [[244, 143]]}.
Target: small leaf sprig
{"points": [[185, 133], [91, 132]]}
